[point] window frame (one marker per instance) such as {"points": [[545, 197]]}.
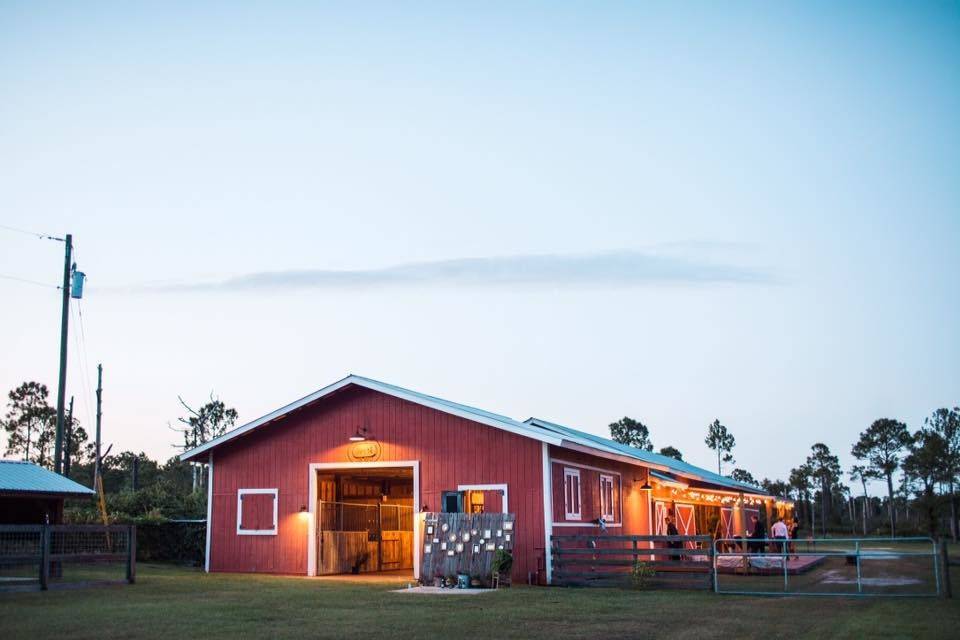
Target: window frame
{"points": [[276, 508], [607, 511], [568, 513], [556, 466]]}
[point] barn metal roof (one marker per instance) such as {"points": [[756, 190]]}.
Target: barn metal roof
{"points": [[542, 430], [17, 476], [671, 464], [454, 408]]}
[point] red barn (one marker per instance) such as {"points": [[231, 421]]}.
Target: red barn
{"points": [[333, 482]]}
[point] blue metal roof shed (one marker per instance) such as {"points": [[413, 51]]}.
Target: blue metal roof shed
{"points": [[25, 477], [30, 494]]}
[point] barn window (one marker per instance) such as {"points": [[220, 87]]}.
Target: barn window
{"points": [[606, 497], [256, 512], [571, 493]]}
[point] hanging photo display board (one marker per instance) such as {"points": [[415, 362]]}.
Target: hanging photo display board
{"points": [[464, 543]]}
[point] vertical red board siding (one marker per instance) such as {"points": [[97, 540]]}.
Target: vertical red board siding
{"points": [[493, 501], [451, 451], [631, 501]]}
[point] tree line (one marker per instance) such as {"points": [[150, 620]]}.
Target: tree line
{"points": [[927, 460], [136, 487]]}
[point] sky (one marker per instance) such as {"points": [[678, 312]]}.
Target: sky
{"points": [[578, 211]]}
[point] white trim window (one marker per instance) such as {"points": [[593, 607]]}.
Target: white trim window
{"points": [[607, 493], [571, 493], [261, 516]]}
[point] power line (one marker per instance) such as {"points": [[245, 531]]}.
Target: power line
{"points": [[83, 354], [84, 362], [41, 236], [25, 280]]}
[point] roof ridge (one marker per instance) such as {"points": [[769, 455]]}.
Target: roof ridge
{"points": [[437, 398]]}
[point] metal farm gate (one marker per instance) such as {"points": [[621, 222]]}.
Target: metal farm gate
{"points": [[860, 567], [44, 556]]}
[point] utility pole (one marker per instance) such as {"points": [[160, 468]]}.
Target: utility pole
{"points": [[97, 467], [68, 439], [96, 463], [64, 322]]}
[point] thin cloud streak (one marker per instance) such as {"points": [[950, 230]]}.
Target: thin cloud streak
{"points": [[598, 270]]}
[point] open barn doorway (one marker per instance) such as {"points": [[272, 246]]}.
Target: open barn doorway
{"points": [[364, 519]]}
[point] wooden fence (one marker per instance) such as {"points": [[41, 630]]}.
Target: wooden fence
{"points": [[34, 556], [679, 562]]}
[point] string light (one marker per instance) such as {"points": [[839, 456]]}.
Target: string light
{"points": [[716, 498]]}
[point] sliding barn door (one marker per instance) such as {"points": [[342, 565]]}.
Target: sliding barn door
{"points": [[686, 522]]}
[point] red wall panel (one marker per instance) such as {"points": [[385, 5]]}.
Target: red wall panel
{"points": [[633, 502], [451, 451]]}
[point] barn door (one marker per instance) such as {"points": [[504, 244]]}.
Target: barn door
{"points": [[326, 512], [661, 511], [726, 522], [686, 522]]}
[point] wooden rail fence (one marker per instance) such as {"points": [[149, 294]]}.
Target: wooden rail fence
{"points": [[679, 562]]}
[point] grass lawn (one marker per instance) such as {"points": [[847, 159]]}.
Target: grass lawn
{"points": [[170, 602]]}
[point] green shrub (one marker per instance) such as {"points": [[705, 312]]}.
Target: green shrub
{"points": [[641, 574], [176, 542], [502, 562]]}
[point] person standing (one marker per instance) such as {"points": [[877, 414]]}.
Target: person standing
{"points": [[780, 532], [673, 544], [756, 536], [794, 531]]}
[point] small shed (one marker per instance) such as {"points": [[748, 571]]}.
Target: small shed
{"points": [[30, 494]]}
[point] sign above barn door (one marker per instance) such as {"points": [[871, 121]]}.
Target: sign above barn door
{"points": [[365, 451]]}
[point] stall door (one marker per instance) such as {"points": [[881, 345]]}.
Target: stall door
{"points": [[391, 546], [686, 522], [661, 511], [726, 522]]}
